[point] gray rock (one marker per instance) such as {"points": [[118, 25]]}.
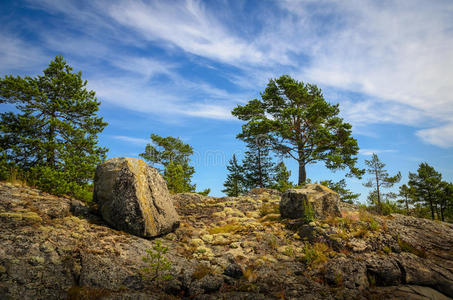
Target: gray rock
{"points": [[347, 272], [385, 270], [323, 202], [412, 292], [133, 197], [233, 270]]}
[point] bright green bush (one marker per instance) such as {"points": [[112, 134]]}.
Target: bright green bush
{"points": [[157, 264]]}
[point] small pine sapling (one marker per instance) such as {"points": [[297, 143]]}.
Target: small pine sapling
{"points": [[157, 264]]}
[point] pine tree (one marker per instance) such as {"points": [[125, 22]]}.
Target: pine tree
{"points": [[426, 183], [174, 176], [445, 198], [235, 184], [281, 177], [257, 164], [380, 179], [174, 156], [299, 123], [405, 194], [54, 133]]}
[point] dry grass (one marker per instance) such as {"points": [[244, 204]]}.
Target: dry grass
{"points": [[201, 270], [269, 208], [316, 254]]}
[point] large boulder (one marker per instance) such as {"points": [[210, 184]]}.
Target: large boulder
{"points": [[313, 199], [133, 197]]}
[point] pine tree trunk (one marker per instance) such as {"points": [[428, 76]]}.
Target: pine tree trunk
{"points": [[301, 161], [51, 150], [407, 206], [378, 192], [432, 208], [260, 171], [302, 173]]}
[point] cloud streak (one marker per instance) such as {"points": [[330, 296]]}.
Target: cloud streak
{"points": [[397, 56]]}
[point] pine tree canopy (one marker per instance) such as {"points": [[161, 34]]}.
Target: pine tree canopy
{"points": [[53, 134], [174, 156], [299, 123]]}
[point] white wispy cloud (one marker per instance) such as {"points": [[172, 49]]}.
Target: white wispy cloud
{"points": [[18, 55], [397, 54], [187, 25], [440, 136], [368, 152], [134, 140]]}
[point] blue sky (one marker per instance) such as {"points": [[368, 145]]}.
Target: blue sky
{"points": [[178, 68]]}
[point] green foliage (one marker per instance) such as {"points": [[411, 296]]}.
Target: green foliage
{"points": [[205, 192], [281, 177], [425, 184], [257, 163], [315, 254], [54, 132], [157, 264], [406, 195], [174, 156], [298, 123], [309, 214], [340, 188], [379, 179], [235, 183]]}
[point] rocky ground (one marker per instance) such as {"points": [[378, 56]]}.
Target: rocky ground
{"points": [[225, 248]]}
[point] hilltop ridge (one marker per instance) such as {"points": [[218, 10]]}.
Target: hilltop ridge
{"points": [[226, 248]]}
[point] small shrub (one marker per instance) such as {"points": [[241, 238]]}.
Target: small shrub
{"points": [[157, 264], [289, 251], [315, 254], [309, 214], [338, 279], [368, 219], [205, 192]]}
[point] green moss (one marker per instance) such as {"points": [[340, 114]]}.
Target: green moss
{"points": [[407, 247], [228, 228], [28, 216], [269, 208]]}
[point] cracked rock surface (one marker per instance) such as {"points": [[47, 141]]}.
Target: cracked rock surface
{"points": [[225, 248]]}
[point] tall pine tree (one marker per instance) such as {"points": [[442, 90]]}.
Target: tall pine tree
{"points": [[235, 184], [379, 179], [53, 134], [405, 194], [257, 163], [174, 156], [426, 183]]}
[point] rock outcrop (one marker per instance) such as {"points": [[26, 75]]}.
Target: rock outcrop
{"points": [[226, 248], [133, 197], [314, 199]]}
